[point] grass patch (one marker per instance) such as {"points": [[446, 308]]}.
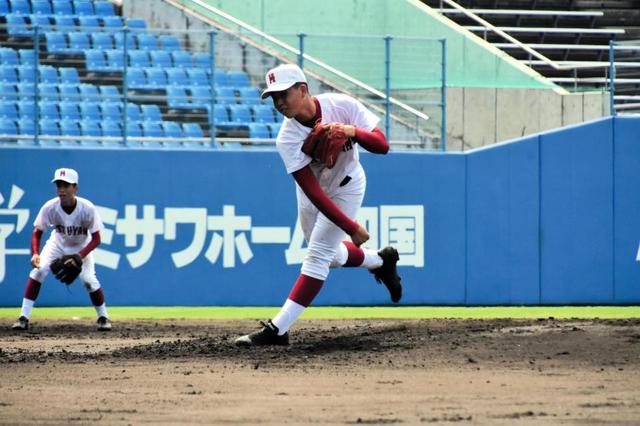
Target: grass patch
{"points": [[333, 312]]}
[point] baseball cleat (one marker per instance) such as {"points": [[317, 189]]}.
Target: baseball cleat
{"points": [[21, 324], [388, 273], [266, 336], [103, 324]]}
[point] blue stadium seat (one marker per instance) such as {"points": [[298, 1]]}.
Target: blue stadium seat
{"points": [[115, 59], [89, 24], [90, 111], [43, 22], [41, 7], [138, 59], [263, 114], [182, 59], [69, 92], [177, 98], [8, 57], [113, 22], [198, 77], [78, 42], [62, 7], [48, 91], [200, 96], [169, 43], [238, 78], [154, 130], [69, 75], [226, 95], [95, 60], [111, 110], [17, 26], [26, 109], [89, 93], [136, 24], [9, 74], [104, 8], [64, 22], [4, 7], [83, 7], [151, 113], [90, 128], [202, 60], [172, 130], [220, 78], [133, 130], [8, 127], [156, 78], [20, 7], [192, 130], [136, 79], [26, 91], [274, 128], [49, 127], [26, 126], [110, 93], [69, 110], [8, 110], [101, 41], [249, 95], [8, 91], [147, 41], [49, 109], [26, 74], [133, 112], [111, 128], [118, 41], [27, 57], [240, 113], [69, 128], [259, 131], [220, 114], [55, 42], [177, 77], [160, 58], [48, 74]]}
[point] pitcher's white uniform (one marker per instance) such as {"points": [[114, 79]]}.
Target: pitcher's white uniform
{"points": [[324, 236], [71, 233]]}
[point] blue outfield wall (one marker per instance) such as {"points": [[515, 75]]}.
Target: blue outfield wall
{"points": [[547, 219]]}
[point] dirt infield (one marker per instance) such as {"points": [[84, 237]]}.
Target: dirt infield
{"points": [[335, 372]]}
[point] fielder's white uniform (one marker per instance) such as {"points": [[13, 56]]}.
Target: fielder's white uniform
{"points": [[71, 233], [322, 235]]}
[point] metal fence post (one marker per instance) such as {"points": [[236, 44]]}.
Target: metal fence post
{"points": [[36, 86], [212, 121], [125, 87], [387, 85], [301, 37], [443, 94], [612, 75]]}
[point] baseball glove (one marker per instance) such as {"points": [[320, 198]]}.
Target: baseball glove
{"points": [[325, 143], [67, 268]]}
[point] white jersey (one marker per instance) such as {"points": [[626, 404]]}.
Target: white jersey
{"points": [[335, 108], [69, 230]]}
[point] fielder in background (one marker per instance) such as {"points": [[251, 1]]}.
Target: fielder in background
{"points": [[329, 193], [76, 232]]}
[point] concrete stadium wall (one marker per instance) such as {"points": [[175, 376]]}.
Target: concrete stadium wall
{"points": [[548, 219]]}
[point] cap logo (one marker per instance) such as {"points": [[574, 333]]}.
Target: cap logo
{"points": [[63, 173], [272, 78]]}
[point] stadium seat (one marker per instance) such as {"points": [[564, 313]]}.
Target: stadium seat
{"points": [[152, 130], [172, 130], [8, 75], [138, 59], [43, 22], [55, 42], [151, 113], [8, 57], [20, 7], [263, 114], [17, 26], [69, 75], [95, 61], [8, 110], [48, 74], [220, 78], [104, 8], [226, 95], [69, 110], [177, 77], [147, 41], [169, 43], [200, 96], [69, 92], [192, 130], [62, 7], [220, 114], [110, 92], [48, 91], [118, 41], [49, 127], [8, 91], [197, 77], [89, 24], [112, 22], [249, 95], [4, 7], [90, 128], [182, 59], [160, 58], [133, 112], [136, 79], [83, 7], [26, 126], [78, 42], [69, 128], [26, 109], [238, 79], [259, 131], [274, 128], [136, 24], [240, 113], [25, 91], [202, 60], [49, 109], [90, 111], [111, 128], [8, 127], [26, 74], [115, 60], [27, 57], [41, 7], [156, 78], [177, 98], [111, 110], [102, 41], [132, 130], [89, 93], [64, 22]]}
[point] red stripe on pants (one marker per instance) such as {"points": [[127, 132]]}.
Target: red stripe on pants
{"points": [[355, 255], [305, 290]]}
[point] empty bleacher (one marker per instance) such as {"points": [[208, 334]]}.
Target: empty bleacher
{"points": [[99, 76]]}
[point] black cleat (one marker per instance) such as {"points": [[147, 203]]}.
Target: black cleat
{"points": [[21, 324], [266, 336], [388, 273], [103, 324]]}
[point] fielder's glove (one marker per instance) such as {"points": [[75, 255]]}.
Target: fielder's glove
{"points": [[325, 143], [67, 268]]}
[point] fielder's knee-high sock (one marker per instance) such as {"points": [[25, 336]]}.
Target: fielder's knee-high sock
{"points": [[363, 257], [97, 298], [302, 294], [31, 291]]}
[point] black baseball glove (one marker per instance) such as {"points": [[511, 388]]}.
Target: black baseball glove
{"points": [[67, 268]]}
